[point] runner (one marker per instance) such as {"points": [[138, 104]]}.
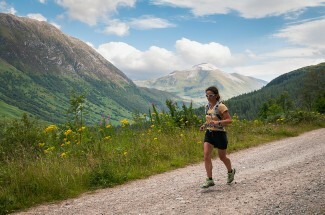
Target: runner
{"points": [[217, 117]]}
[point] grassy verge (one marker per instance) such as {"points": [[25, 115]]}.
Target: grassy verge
{"points": [[39, 166]]}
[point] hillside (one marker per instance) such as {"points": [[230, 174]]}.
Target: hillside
{"points": [[303, 86], [40, 67], [190, 84]]}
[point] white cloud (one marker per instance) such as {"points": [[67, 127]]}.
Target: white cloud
{"points": [[292, 53], [156, 61], [89, 11], [42, 1], [310, 34], [149, 22], [5, 8], [247, 8], [36, 16], [136, 64], [117, 28], [195, 52]]}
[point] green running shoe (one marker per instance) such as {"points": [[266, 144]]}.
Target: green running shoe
{"points": [[208, 183], [231, 176]]}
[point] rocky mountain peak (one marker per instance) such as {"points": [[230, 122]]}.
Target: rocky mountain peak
{"points": [[205, 67]]}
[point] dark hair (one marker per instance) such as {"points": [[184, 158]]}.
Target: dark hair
{"points": [[214, 90]]}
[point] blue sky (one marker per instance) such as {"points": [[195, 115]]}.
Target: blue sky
{"points": [[150, 39]]}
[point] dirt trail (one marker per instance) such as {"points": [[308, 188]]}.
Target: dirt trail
{"points": [[281, 177]]}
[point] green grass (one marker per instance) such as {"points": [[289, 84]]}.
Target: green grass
{"points": [[40, 165], [9, 111]]}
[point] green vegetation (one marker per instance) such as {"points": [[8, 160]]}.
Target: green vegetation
{"points": [[303, 87], [47, 163], [46, 96], [9, 111]]}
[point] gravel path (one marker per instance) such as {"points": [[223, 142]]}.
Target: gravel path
{"points": [[281, 177]]}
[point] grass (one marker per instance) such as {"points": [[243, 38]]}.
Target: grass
{"points": [[9, 111], [44, 164]]}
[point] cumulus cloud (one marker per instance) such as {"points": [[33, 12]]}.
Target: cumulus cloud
{"points": [[149, 22], [42, 1], [5, 8], [117, 28], [89, 11], [36, 16], [138, 64], [156, 62], [195, 52], [310, 34], [246, 9]]}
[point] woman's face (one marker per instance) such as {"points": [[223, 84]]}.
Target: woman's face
{"points": [[210, 96]]}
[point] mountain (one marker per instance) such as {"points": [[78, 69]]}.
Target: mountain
{"points": [[190, 84], [303, 86], [40, 68]]}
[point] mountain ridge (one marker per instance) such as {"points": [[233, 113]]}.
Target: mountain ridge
{"points": [[40, 67], [303, 86], [190, 84]]}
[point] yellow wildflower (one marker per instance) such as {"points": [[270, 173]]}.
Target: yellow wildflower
{"points": [[124, 122], [68, 132], [125, 153], [108, 126], [41, 145], [62, 144], [181, 135], [50, 128], [68, 143], [107, 138], [63, 155], [155, 139], [152, 126], [82, 128]]}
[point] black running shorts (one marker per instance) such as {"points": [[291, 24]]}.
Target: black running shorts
{"points": [[217, 138]]}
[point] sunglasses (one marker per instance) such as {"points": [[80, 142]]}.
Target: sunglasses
{"points": [[210, 95]]}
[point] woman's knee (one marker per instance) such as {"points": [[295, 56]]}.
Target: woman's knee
{"points": [[223, 157]]}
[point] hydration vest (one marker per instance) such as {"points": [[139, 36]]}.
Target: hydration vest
{"points": [[216, 113]]}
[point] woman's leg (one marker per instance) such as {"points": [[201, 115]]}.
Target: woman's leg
{"points": [[208, 148], [223, 157]]}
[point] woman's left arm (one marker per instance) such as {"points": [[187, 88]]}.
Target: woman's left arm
{"points": [[226, 118]]}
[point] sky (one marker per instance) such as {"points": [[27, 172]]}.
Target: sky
{"points": [[150, 39]]}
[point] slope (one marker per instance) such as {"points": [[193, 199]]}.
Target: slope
{"points": [[40, 68], [302, 85]]}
